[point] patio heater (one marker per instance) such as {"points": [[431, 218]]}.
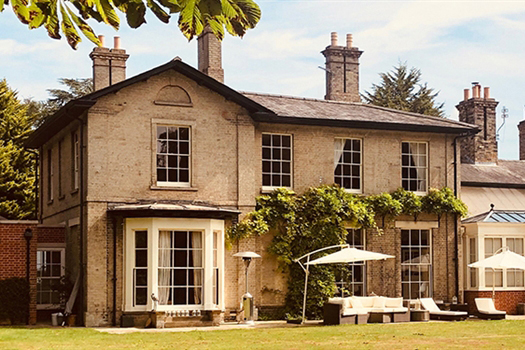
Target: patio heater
{"points": [[247, 298]]}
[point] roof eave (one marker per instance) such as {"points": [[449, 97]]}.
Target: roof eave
{"points": [[53, 124], [273, 118], [492, 184]]}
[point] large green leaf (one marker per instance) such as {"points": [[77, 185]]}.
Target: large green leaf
{"points": [[21, 10], [190, 19], [158, 11], [36, 16], [68, 29], [173, 5], [136, 13], [52, 23], [107, 12], [84, 27]]}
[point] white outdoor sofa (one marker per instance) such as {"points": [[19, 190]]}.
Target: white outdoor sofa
{"points": [[487, 310], [437, 314], [359, 310]]}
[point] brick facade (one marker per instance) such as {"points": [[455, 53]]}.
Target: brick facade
{"points": [[13, 253], [504, 300]]}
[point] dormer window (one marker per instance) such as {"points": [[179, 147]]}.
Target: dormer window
{"points": [[173, 155]]}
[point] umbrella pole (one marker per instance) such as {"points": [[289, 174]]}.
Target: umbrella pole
{"points": [[307, 271]]}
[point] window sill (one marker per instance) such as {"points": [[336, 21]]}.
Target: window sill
{"points": [[266, 190], [61, 197], [75, 191], [174, 188], [49, 202]]}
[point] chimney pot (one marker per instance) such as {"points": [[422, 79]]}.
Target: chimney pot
{"points": [[334, 39], [486, 92], [116, 42], [466, 94], [101, 38], [348, 40], [475, 91]]}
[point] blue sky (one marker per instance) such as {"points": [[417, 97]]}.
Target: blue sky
{"points": [[453, 43]]}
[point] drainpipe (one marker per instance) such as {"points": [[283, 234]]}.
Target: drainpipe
{"points": [[40, 198], [81, 219], [456, 238], [114, 279], [37, 197]]}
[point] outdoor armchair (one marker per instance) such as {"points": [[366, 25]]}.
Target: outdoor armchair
{"points": [[487, 310]]}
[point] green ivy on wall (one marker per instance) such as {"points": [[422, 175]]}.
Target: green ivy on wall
{"points": [[320, 218]]}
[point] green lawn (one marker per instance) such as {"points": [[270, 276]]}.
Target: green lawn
{"points": [[467, 335]]}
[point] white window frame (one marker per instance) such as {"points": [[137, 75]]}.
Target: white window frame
{"points": [[271, 188], [351, 285], [189, 155], [51, 248], [339, 155], [481, 274], [430, 265], [416, 166], [153, 226]]}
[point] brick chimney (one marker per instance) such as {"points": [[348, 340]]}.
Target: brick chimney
{"points": [[480, 111], [521, 128], [109, 65], [342, 71], [210, 55]]}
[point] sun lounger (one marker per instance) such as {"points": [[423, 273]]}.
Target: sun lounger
{"points": [[437, 314], [487, 310]]}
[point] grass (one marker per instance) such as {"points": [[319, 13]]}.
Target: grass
{"points": [[434, 335]]}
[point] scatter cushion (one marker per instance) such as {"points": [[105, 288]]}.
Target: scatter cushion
{"points": [[356, 303], [365, 301], [394, 302], [379, 302]]}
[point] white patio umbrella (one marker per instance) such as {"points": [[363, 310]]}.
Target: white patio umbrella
{"points": [[345, 255], [502, 259], [348, 255]]}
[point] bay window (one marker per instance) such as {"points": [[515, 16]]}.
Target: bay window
{"points": [[179, 261]]}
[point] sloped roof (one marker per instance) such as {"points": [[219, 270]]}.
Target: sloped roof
{"points": [[506, 173], [513, 216], [479, 199], [76, 108], [297, 110], [266, 108]]}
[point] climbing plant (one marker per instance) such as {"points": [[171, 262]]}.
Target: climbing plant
{"points": [[319, 218], [410, 202]]}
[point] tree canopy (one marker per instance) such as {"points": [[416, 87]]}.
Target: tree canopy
{"points": [[401, 89], [17, 165], [70, 16]]}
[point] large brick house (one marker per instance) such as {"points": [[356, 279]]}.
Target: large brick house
{"points": [[147, 172]]}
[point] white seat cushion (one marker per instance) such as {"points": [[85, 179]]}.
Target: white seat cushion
{"points": [[449, 313]]}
